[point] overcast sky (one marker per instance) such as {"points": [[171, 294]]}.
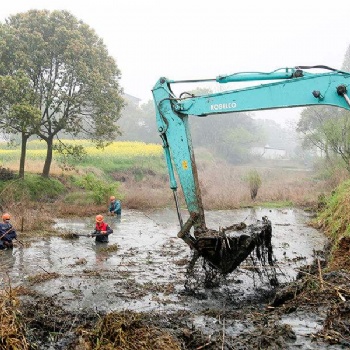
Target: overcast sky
{"points": [[186, 39]]}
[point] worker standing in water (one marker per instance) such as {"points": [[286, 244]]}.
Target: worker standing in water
{"points": [[102, 230], [7, 232], [115, 207]]}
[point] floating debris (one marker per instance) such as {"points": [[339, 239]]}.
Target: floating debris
{"points": [[69, 235], [110, 248], [42, 277], [81, 261]]}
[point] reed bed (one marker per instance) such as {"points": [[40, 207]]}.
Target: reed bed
{"points": [[11, 323]]}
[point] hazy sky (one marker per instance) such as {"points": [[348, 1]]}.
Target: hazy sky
{"points": [[186, 39]]}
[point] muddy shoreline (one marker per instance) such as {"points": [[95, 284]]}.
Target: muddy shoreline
{"points": [[260, 323], [137, 294]]}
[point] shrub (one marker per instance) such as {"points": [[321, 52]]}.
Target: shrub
{"points": [[254, 181], [99, 190], [6, 174]]}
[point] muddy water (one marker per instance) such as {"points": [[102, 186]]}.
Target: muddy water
{"points": [[148, 271]]}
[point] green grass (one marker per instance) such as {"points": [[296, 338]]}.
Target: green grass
{"points": [[109, 163], [335, 216], [33, 187]]}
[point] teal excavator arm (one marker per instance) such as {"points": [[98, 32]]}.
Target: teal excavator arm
{"points": [[292, 87]]}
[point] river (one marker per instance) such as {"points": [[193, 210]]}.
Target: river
{"points": [[147, 272]]}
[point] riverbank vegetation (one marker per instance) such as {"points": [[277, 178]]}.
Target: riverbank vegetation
{"points": [[136, 173], [334, 220]]}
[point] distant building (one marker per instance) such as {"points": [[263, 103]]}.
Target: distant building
{"points": [[268, 152]]}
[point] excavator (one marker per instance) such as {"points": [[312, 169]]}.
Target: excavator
{"points": [[225, 249]]}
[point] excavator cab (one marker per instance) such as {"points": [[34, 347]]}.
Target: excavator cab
{"points": [[225, 249]]}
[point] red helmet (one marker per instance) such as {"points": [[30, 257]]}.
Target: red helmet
{"points": [[6, 216], [112, 198], [99, 218]]}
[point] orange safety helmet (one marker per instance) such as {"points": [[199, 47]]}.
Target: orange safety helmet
{"points": [[112, 198], [99, 218], [6, 216]]}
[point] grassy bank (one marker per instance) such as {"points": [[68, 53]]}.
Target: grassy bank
{"points": [[334, 220]]}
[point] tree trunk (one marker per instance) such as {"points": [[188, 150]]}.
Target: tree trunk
{"points": [[48, 160], [326, 150], [23, 155]]}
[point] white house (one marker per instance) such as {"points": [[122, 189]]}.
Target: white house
{"points": [[268, 152]]}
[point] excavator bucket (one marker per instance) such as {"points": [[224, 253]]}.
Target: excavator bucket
{"points": [[226, 249]]}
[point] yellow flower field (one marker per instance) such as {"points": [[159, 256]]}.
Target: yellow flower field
{"points": [[127, 149], [118, 154], [123, 148]]}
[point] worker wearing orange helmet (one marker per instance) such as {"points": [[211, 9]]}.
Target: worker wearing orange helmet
{"points": [[102, 230], [7, 232], [115, 206]]}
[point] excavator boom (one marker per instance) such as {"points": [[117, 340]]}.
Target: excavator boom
{"points": [[291, 87]]}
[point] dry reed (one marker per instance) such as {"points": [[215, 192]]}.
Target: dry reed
{"points": [[150, 193], [223, 188], [127, 330], [64, 209], [35, 167], [11, 325]]}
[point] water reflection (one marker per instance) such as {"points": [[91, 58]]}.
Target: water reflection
{"points": [[8, 259], [101, 255]]}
